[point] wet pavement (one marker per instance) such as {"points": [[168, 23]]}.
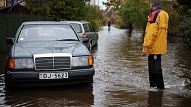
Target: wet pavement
{"points": [[121, 78]]}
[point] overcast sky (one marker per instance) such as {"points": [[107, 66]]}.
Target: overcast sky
{"points": [[99, 2]]}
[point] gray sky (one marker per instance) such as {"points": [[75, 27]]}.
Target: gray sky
{"points": [[99, 2]]}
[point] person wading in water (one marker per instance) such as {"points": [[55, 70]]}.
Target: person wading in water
{"points": [[155, 43], [109, 25]]}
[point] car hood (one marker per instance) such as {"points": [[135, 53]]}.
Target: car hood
{"points": [[28, 49]]}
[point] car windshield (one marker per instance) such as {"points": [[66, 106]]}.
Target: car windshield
{"points": [[46, 32], [77, 27]]}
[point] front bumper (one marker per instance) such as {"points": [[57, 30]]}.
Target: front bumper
{"points": [[31, 78]]}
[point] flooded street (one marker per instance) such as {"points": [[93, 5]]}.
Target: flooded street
{"points": [[121, 78]]}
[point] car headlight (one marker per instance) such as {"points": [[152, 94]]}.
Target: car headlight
{"points": [[24, 63], [82, 61]]}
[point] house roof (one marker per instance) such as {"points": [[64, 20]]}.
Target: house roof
{"points": [[16, 3]]}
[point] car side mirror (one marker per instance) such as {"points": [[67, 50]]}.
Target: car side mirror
{"points": [[10, 40], [85, 40]]}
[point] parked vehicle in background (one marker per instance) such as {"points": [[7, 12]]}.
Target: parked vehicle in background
{"points": [[46, 53], [85, 30]]}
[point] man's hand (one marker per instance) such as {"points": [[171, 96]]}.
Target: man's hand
{"points": [[144, 53]]}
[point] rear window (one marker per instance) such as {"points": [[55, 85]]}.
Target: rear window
{"points": [[46, 32], [77, 27], [87, 27]]}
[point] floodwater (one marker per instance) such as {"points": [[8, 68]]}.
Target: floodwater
{"points": [[121, 78]]}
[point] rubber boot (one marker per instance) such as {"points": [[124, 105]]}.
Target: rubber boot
{"points": [[160, 83], [152, 79]]}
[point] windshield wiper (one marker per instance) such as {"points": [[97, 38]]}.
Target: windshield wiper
{"points": [[67, 40]]}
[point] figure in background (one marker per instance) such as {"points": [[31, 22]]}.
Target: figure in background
{"points": [[130, 28], [109, 24]]}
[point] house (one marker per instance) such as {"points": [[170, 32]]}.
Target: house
{"points": [[17, 7]]}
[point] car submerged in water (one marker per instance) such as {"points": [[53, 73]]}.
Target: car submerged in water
{"points": [[46, 53]]}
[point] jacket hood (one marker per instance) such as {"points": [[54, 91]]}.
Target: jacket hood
{"points": [[157, 8]]}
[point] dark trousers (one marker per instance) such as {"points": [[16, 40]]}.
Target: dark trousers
{"points": [[155, 72]]}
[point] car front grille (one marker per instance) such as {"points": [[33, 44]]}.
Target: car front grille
{"points": [[52, 61]]}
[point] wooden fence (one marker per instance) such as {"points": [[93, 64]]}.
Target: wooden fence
{"points": [[9, 25]]}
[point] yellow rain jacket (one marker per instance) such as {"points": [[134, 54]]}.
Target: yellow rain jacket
{"points": [[155, 38]]}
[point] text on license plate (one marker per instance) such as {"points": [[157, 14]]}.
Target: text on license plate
{"points": [[53, 75]]}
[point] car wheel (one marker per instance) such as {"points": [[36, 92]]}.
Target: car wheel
{"points": [[90, 46]]}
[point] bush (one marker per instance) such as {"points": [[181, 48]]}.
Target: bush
{"points": [[185, 26]]}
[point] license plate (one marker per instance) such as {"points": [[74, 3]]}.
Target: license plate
{"points": [[53, 75]]}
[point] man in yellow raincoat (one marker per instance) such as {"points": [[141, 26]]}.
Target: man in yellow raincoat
{"points": [[155, 43]]}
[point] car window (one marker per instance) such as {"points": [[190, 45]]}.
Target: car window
{"points": [[46, 32], [86, 27], [77, 27], [90, 27]]}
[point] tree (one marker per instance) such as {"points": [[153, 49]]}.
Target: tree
{"points": [[135, 11], [38, 7], [68, 9], [64, 9], [185, 26], [184, 9], [184, 2], [115, 4]]}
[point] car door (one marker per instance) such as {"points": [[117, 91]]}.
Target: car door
{"points": [[94, 34], [91, 34]]}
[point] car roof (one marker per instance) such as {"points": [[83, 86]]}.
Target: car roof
{"points": [[80, 22], [44, 22]]}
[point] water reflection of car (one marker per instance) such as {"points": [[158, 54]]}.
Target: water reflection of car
{"points": [[58, 96], [85, 30], [47, 53]]}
